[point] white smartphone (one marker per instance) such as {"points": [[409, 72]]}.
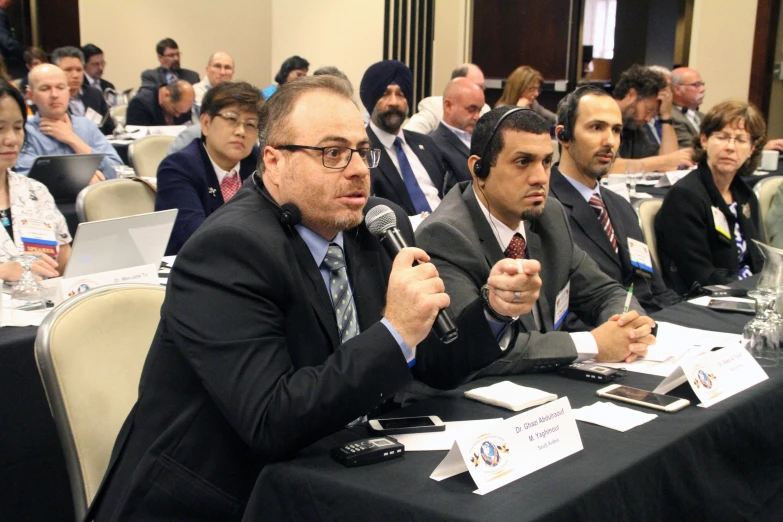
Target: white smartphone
{"points": [[407, 425], [645, 398]]}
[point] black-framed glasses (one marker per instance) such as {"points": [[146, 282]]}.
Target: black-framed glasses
{"points": [[340, 157]]}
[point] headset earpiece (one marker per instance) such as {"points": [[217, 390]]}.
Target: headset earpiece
{"points": [[562, 135], [479, 170]]}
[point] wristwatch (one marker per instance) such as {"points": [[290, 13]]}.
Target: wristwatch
{"points": [[491, 311], [669, 121]]}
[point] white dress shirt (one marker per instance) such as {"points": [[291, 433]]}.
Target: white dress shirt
{"points": [[424, 180], [694, 119], [219, 172], [586, 347], [94, 82], [464, 136]]}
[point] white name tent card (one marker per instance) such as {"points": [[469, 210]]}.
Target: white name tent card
{"points": [[515, 447], [715, 376], [443, 440], [670, 178]]}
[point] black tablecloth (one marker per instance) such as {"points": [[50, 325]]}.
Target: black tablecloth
{"points": [[720, 463], [33, 480]]}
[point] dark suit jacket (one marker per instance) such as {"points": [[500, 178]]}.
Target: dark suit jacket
{"points": [[11, 50], [144, 109], [246, 366], [386, 179], [185, 180], [588, 234], [154, 78], [689, 246], [93, 99], [104, 84], [455, 153], [464, 248]]}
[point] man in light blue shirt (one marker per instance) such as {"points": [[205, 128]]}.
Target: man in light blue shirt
{"points": [[53, 132]]}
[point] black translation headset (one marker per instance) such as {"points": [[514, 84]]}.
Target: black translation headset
{"points": [[289, 213], [479, 169]]}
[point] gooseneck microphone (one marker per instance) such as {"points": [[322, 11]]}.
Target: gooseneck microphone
{"points": [[382, 222]]}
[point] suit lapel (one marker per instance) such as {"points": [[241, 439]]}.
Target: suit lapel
{"points": [[391, 174], [215, 198], [427, 159], [534, 251], [364, 273], [454, 141], [489, 243]]}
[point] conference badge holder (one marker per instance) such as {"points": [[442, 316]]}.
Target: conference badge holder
{"points": [[640, 258]]}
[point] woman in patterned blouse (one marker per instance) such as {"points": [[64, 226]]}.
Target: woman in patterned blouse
{"points": [[25, 205]]}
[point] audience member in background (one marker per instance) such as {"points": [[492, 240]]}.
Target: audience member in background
{"points": [[411, 172], [688, 92], [641, 95], [603, 224], [291, 69], [331, 70], [94, 64], [522, 89], [774, 220], [201, 177], [11, 50], [505, 213], [430, 110], [252, 362], [83, 100], [169, 70], [462, 104], [32, 56], [654, 128], [708, 219], [220, 68], [22, 198], [54, 132], [169, 104]]}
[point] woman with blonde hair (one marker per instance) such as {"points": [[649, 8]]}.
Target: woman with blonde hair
{"points": [[522, 88]]}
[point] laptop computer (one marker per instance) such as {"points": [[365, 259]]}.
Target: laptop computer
{"points": [[65, 176], [114, 244]]}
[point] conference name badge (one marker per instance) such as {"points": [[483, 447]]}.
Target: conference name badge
{"points": [[561, 304], [721, 223], [93, 116], [515, 447], [640, 256], [38, 237]]}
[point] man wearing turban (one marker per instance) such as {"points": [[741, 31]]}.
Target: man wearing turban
{"points": [[411, 172]]}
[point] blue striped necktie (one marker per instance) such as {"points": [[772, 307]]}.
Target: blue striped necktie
{"points": [[340, 293]]}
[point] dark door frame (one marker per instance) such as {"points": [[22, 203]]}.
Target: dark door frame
{"points": [[763, 61]]}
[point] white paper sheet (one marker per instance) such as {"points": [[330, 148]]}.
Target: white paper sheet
{"points": [[612, 416]]}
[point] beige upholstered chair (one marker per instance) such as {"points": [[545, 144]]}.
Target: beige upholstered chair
{"points": [[764, 190], [646, 210], [556, 150], [114, 198], [145, 155], [118, 113], [90, 352]]}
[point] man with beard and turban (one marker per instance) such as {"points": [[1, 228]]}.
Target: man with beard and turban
{"points": [[501, 245], [641, 94], [412, 171], [603, 224]]}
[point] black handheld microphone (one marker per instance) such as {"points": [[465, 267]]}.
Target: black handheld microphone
{"points": [[382, 222]]}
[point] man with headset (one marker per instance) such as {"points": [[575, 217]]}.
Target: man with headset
{"points": [[497, 239]]}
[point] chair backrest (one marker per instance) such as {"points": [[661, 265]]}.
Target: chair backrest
{"points": [[90, 352], [556, 149], [118, 113], [114, 198], [764, 191], [646, 209], [146, 154]]}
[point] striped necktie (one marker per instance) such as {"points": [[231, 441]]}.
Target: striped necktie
{"points": [[230, 185], [603, 217], [340, 293]]}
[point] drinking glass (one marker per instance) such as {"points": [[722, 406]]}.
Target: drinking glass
{"points": [[761, 335], [634, 172], [27, 293]]}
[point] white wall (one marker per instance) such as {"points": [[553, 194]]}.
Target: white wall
{"points": [[127, 31], [452, 24], [347, 34], [722, 47]]}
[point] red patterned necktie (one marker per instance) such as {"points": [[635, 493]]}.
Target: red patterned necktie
{"points": [[603, 217], [230, 185], [516, 249]]}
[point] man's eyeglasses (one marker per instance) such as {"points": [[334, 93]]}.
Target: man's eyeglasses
{"points": [[172, 55], [698, 85], [724, 139], [233, 121], [340, 157]]}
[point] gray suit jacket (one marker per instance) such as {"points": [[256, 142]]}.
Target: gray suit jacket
{"points": [[684, 128], [464, 248]]}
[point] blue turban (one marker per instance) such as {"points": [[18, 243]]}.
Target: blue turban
{"points": [[379, 76]]}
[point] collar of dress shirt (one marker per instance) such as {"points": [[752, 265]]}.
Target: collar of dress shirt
{"points": [[385, 138], [317, 244], [585, 191], [464, 136], [219, 172], [502, 233], [93, 82]]}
